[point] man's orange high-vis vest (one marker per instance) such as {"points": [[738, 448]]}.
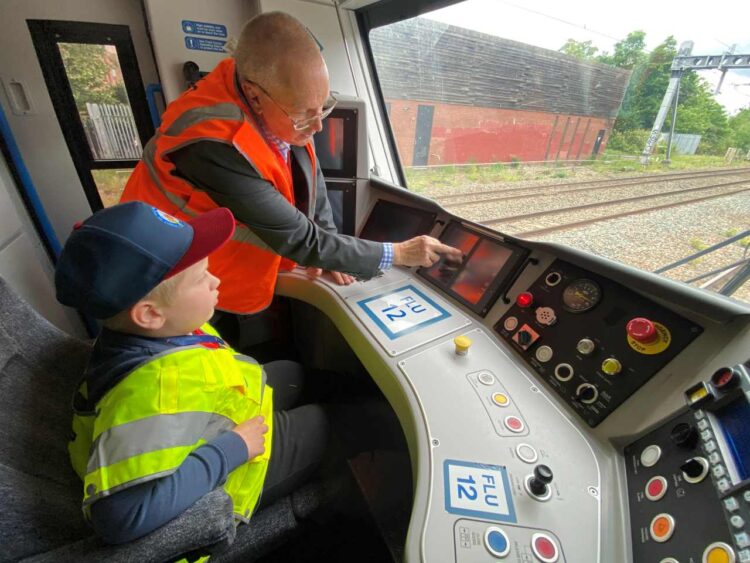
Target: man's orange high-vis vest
{"points": [[213, 110]]}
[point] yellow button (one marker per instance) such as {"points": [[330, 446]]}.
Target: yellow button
{"points": [[463, 343], [718, 552], [698, 394], [611, 366], [500, 399]]}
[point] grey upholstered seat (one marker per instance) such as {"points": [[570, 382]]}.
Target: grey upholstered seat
{"points": [[40, 514]]}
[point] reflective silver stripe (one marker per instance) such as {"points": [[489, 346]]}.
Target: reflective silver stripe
{"points": [[149, 155], [132, 483], [224, 111], [154, 433], [243, 234]]}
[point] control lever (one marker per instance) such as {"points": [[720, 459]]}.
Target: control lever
{"points": [[539, 481]]}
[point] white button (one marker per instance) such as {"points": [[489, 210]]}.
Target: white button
{"points": [[710, 446], [744, 556], [698, 415], [746, 496], [742, 540], [510, 323], [731, 504], [719, 471], [702, 424], [669, 560], [543, 354], [723, 485], [650, 455], [714, 458], [526, 453], [487, 378], [706, 435], [737, 521]]}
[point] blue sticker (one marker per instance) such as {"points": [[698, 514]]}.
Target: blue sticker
{"points": [[204, 28], [167, 219], [479, 490], [200, 44], [402, 311]]}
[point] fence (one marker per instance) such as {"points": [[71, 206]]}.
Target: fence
{"points": [[111, 132]]}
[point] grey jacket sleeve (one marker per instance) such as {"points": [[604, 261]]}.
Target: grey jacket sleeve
{"points": [[229, 180], [323, 211]]}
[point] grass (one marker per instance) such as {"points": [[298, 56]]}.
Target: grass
{"points": [[609, 164], [110, 184]]}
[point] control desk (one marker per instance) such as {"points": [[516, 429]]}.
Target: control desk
{"points": [[557, 406]]}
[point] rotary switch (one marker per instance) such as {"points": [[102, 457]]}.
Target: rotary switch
{"points": [[695, 469], [684, 435]]}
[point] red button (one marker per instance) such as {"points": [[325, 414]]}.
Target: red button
{"points": [[544, 547], [656, 488], [641, 330], [524, 299], [514, 424]]}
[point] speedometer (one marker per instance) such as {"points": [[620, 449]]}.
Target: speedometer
{"points": [[581, 295]]}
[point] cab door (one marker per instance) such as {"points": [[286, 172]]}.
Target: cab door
{"points": [[74, 76]]}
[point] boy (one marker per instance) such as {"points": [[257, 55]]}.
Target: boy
{"points": [[167, 411]]}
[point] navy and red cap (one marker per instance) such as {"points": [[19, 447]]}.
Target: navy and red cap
{"points": [[119, 254]]}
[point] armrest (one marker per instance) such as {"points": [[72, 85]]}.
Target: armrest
{"points": [[207, 523]]}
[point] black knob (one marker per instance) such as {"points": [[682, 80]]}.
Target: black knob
{"points": [[684, 435], [694, 467], [542, 477], [524, 338]]}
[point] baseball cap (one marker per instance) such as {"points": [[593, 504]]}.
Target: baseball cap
{"points": [[119, 254]]}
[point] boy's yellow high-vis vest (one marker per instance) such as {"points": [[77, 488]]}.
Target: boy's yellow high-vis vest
{"points": [[147, 424]]}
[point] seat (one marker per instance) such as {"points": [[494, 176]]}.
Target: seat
{"points": [[41, 518]]}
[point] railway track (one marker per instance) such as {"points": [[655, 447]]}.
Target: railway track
{"points": [[463, 200], [522, 224]]}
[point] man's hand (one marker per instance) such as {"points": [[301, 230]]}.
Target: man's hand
{"points": [[338, 277], [423, 251], [253, 433]]}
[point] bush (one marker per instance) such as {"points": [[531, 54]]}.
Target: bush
{"points": [[630, 142]]}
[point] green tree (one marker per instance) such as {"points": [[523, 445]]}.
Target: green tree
{"points": [[629, 52], [739, 127], [583, 50], [87, 67], [699, 113]]}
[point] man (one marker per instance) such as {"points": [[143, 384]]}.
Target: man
{"points": [[242, 139]]}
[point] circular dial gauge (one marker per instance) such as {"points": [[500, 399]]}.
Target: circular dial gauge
{"points": [[581, 295]]}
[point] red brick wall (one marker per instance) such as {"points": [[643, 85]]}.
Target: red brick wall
{"points": [[464, 134]]}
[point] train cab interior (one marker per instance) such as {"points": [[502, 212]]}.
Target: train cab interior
{"points": [[546, 401]]}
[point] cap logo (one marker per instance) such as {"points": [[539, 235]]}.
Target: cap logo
{"points": [[167, 219]]}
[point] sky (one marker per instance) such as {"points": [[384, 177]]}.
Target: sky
{"points": [[550, 23]]}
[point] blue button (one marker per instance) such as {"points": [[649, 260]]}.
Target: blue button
{"points": [[496, 541]]}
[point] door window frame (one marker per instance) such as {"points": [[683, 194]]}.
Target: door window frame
{"points": [[46, 34]]}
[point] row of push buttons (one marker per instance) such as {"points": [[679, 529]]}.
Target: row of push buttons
{"points": [[512, 423], [543, 545]]}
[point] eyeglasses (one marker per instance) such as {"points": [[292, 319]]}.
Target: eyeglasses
{"points": [[306, 123]]}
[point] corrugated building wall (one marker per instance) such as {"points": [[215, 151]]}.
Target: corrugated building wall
{"points": [[459, 96]]}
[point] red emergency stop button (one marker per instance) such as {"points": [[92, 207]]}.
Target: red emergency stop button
{"points": [[524, 299], [656, 488], [662, 527], [642, 330], [545, 548]]}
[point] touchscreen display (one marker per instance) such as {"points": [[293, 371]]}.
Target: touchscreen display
{"points": [[393, 222], [329, 144], [477, 278]]}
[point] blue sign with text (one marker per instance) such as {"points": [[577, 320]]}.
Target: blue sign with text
{"points": [[200, 44], [204, 28], [402, 311]]}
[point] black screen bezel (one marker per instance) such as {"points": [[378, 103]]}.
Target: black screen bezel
{"points": [[502, 280], [349, 167], [384, 204]]}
